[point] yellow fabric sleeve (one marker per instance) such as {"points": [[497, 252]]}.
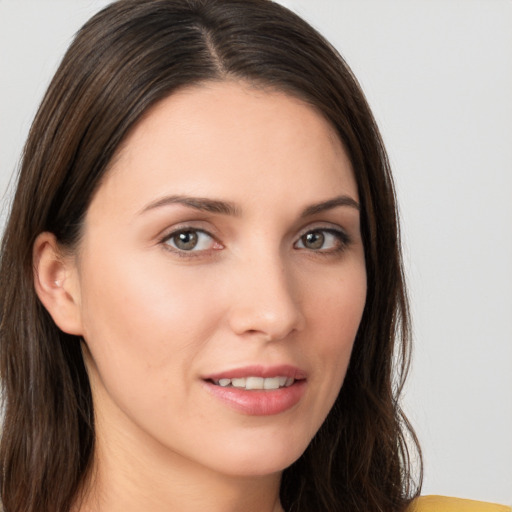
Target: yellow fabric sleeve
{"points": [[445, 504]]}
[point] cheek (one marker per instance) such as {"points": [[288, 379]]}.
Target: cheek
{"points": [[334, 314], [141, 321], [146, 327], [337, 309]]}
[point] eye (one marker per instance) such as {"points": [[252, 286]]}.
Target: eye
{"points": [[190, 240], [325, 240]]}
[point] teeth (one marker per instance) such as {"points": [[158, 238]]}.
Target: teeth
{"points": [[271, 383], [254, 383], [238, 383], [249, 383]]}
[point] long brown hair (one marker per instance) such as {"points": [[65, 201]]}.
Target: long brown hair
{"points": [[124, 60]]}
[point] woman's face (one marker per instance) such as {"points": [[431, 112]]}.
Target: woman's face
{"points": [[221, 255]]}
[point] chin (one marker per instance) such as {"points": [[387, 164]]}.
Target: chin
{"points": [[261, 459]]}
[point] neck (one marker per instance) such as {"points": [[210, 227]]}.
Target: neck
{"points": [[129, 476]]}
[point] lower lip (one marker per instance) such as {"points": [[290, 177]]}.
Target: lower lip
{"points": [[259, 403]]}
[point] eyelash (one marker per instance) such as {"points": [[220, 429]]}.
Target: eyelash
{"points": [[182, 253], [343, 241]]}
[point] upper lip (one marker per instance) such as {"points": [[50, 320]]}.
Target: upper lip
{"points": [[284, 370]]}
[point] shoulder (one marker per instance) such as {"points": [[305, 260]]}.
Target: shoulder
{"points": [[445, 504]]}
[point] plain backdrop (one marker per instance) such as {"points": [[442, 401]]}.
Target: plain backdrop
{"points": [[438, 75]]}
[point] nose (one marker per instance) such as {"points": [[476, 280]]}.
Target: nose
{"points": [[265, 300]]}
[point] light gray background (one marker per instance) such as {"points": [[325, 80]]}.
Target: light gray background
{"points": [[438, 75]]}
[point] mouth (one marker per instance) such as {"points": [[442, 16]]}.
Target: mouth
{"points": [[255, 383], [258, 390]]}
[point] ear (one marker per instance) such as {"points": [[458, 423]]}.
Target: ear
{"points": [[56, 283]]}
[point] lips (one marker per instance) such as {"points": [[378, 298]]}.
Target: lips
{"points": [[258, 390], [284, 370], [254, 382]]}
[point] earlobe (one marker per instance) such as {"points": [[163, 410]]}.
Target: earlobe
{"points": [[56, 284]]}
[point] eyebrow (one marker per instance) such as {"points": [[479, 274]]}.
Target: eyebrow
{"points": [[329, 205], [228, 208], [197, 203]]}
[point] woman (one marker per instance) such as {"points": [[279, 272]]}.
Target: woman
{"points": [[201, 284]]}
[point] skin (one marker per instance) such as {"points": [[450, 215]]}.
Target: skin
{"points": [[157, 319]]}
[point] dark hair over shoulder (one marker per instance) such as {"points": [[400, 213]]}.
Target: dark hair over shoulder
{"points": [[122, 62]]}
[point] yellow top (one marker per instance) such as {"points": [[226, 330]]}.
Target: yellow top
{"points": [[444, 504]]}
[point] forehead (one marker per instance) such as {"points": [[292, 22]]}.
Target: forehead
{"points": [[228, 138]]}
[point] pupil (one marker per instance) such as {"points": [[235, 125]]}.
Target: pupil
{"points": [[186, 240], [314, 240]]}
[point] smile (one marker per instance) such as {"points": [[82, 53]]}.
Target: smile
{"points": [[256, 383], [258, 390]]}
